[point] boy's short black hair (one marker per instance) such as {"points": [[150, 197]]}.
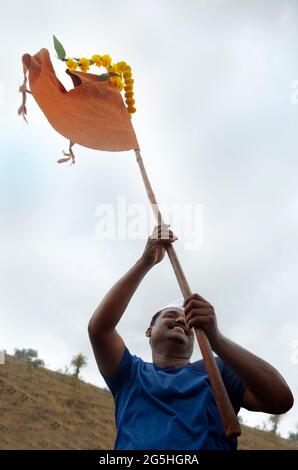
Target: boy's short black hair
{"points": [[154, 318]]}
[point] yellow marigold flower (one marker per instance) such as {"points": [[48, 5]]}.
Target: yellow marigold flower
{"points": [[71, 64], [130, 101], [97, 59], [129, 94], [114, 80], [128, 88], [113, 69], [118, 81], [129, 81], [131, 109], [121, 66], [106, 61], [127, 75], [84, 64]]}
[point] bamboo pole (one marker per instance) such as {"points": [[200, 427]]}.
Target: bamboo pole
{"points": [[226, 411]]}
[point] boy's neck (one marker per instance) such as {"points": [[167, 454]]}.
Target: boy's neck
{"points": [[164, 360]]}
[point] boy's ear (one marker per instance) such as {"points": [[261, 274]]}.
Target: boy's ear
{"points": [[148, 332]]}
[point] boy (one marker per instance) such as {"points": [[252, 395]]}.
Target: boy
{"points": [[169, 404]]}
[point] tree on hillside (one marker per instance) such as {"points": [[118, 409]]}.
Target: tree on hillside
{"points": [[293, 436], [274, 421], [29, 355], [78, 362]]}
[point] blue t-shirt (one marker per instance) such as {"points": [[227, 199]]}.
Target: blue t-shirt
{"points": [[170, 408]]}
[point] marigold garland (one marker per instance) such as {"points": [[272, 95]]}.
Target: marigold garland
{"points": [[119, 74]]}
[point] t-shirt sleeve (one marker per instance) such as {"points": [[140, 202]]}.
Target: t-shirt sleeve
{"points": [[117, 380], [234, 386]]}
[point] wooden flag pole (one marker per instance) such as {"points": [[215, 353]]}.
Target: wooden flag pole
{"points": [[227, 413]]}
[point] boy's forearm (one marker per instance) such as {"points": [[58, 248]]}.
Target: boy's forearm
{"points": [[114, 303], [259, 377]]}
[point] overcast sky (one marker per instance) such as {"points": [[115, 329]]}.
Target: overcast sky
{"points": [[216, 127]]}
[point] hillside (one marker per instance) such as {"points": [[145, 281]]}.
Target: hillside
{"points": [[42, 409]]}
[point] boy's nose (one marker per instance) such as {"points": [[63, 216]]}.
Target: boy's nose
{"points": [[182, 321]]}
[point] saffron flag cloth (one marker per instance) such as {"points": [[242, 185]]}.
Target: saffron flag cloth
{"points": [[91, 114]]}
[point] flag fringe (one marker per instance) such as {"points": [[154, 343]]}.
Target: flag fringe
{"points": [[70, 155], [23, 89]]}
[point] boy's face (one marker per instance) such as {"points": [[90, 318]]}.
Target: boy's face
{"points": [[171, 333]]}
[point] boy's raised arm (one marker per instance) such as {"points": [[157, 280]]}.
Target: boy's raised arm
{"points": [[107, 344]]}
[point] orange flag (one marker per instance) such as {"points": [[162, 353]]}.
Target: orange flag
{"points": [[91, 114]]}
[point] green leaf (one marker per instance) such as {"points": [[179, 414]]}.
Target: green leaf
{"points": [[104, 76], [59, 48]]}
